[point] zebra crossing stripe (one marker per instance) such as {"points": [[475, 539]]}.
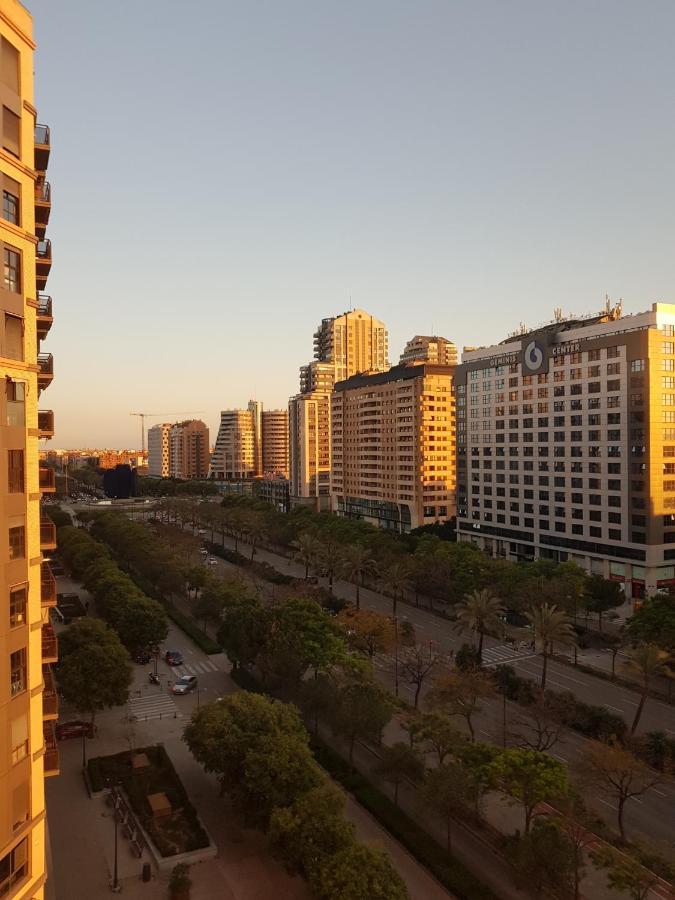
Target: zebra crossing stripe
{"points": [[153, 708]]}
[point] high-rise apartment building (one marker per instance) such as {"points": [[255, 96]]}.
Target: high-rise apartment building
{"points": [[189, 450], [275, 442], [255, 408], [234, 454], [566, 446], [28, 700], [345, 345], [431, 349], [393, 447], [158, 450]]}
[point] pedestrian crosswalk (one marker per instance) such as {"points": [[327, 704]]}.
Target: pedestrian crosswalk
{"points": [[504, 653], [200, 668], [153, 706]]}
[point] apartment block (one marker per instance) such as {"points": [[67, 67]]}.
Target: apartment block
{"points": [[158, 450], [234, 454], [28, 700], [393, 447], [566, 446], [309, 444], [275, 443], [189, 450], [425, 348]]}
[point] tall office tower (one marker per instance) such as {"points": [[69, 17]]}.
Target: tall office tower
{"points": [[158, 450], [275, 442], [345, 345], [393, 447], [234, 455], [425, 348], [256, 410], [28, 701], [189, 450], [566, 446]]}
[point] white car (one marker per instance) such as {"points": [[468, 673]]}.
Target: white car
{"points": [[212, 561], [185, 684]]}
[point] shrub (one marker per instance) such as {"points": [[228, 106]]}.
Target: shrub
{"points": [[467, 658]]}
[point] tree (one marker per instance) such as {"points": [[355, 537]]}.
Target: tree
{"points": [[569, 822], [624, 872], [244, 631], [647, 662], [438, 734], [602, 596], [479, 612], [356, 873], [312, 829], [395, 578], [416, 664], [476, 759], [255, 530], [368, 631], [617, 774], [529, 778], [307, 550], [545, 860], [459, 694], [448, 793], [330, 556], [362, 710], [654, 622], [399, 762], [357, 562], [317, 697], [95, 670], [140, 622], [551, 626], [539, 726]]}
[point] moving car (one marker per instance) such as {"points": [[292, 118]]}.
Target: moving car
{"points": [[185, 684], [65, 730], [173, 658]]}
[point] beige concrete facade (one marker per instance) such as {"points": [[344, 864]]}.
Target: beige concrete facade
{"points": [[28, 702], [189, 450], [393, 447], [275, 442], [566, 446], [431, 349], [158, 450]]}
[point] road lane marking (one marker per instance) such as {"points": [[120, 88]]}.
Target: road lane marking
{"points": [[615, 708], [611, 806], [660, 793], [561, 758]]}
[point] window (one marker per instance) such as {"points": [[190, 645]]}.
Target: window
{"points": [[15, 392], [13, 867], [637, 365], [17, 542], [17, 669], [11, 127], [10, 206], [612, 352], [593, 355], [668, 347], [18, 597], [15, 473], [614, 385], [13, 337], [19, 731], [668, 365], [613, 368], [12, 270]]}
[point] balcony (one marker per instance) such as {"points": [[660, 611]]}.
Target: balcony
{"points": [[50, 644], [42, 147], [45, 370], [43, 206], [43, 316], [51, 757], [50, 700], [43, 263], [46, 423], [47, 480], [47, 580]]}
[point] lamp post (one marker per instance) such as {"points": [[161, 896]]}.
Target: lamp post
{"points": [[396, 655], [115, 886]]}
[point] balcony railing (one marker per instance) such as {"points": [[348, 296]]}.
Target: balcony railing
{"points": [[47, 479], [43, 191], [51, 757], [50, 700], [43, 206], [45, 363], [46, 423], [47, 580], [50, 644], [47, 534], [44, 316], [42, 147], [43, 263]]}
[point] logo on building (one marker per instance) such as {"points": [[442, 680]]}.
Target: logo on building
{"points": [[535, 358]]}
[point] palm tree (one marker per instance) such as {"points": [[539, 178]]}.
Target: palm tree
{"points": [[395, 578], [647, 661], [479, 612], [307, 548], [357, 563], [551, 626], [254, 530]]}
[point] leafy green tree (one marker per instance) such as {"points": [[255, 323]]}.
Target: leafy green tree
{"points": [[603, 596], [254, 529], [398, 763], [544, 860], [529, 778], [479, 612], [140, 622], [308, 549], [357, 563], [551, 626], [448, 792], [647, 661], [459, 694], [654, 622], [476, 759], [244, 631], [356, 873], [318, 696], [362, 710], [624, 873], [395, 578], [308, 832], [95, 671], [437, 734]]}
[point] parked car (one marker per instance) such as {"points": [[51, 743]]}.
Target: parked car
{"points": [[185, 684], [204, 551], [142, 657], [65, 730], [212, 561], [173, 658]]}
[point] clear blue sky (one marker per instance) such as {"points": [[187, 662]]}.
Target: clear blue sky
{"points": [[226, 178]]}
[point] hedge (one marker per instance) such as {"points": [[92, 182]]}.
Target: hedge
{"points": [[262, 569]]}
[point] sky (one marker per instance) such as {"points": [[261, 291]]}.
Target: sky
{"points": [[227, 174]]}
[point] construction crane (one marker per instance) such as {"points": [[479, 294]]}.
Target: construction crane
{"points": [[144, 416]]}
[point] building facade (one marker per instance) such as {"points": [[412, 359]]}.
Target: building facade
{"points": [[393, 447], [28, 700], [189, 450], [158, 450], [566, 446], [234, 454], [343, 346], [275, 443], [431, 349]]}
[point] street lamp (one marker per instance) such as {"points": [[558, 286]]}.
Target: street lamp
{"points": [[115, 886], [396, 654]]}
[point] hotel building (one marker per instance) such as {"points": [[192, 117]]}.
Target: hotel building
{"points": [[189, 450], [28, 700], [393, 447], [566, 446]]}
